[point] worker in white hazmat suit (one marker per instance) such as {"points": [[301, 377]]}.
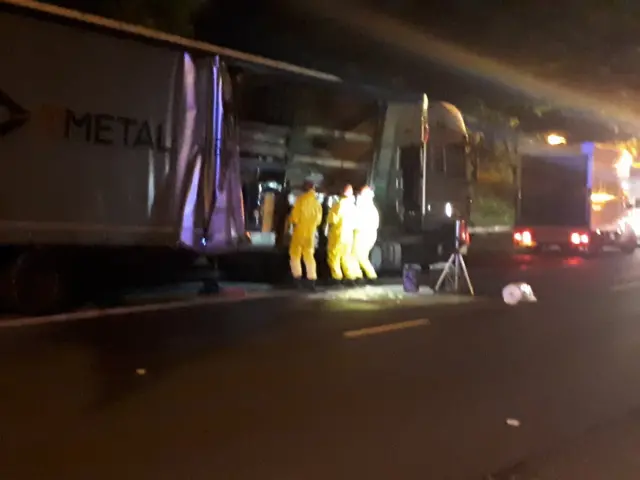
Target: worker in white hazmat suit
{"points": [[366, 232]]}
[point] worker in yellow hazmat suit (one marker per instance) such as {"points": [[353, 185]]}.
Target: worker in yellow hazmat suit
{"points": [[366, 232], [341, 223], [305, 218]]}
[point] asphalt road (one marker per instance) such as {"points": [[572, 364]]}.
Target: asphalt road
{"points": [[291, 388]]}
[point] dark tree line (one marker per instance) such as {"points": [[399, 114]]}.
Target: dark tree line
{"points": [[174, 16], [591, 42], [587, 44]]}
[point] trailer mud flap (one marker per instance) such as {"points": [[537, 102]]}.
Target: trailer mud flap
{"points": [[212, 215], [189, 131], [225, 222]]}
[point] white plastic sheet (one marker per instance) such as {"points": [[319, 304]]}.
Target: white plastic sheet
{"points": [[514, 293]]}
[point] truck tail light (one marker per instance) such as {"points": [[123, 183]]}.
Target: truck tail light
{"points": [[463, 233], [579, 238], [523, 238]]}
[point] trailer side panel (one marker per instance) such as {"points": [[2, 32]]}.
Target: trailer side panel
{"points": [[101, 137]]}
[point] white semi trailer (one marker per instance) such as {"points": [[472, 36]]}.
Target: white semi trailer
{"points": [[118, 148], [120, 156]]}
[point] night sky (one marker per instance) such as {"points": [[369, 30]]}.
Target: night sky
{"points": [[587, 45], [566, 39]]}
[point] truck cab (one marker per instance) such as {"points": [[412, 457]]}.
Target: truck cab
{"points": [[293, 129]]}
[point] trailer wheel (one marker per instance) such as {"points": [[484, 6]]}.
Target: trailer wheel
{"points": [[594, 251], [596, 248], [628, 242], [376, 257], [386, 256], [37, 284], [628, 248]]}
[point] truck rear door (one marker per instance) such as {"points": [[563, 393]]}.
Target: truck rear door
{"points": [[554, 191]]}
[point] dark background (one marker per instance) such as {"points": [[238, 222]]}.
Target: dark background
{"points": [[586, 45]]}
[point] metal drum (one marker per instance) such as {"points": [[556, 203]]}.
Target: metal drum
{"points": [[411, 277]]}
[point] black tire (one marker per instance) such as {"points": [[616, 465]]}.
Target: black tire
{"points": [[595, 250], [537, 250], [376, 256], [628, 241], [628, 248], [37, 284]]}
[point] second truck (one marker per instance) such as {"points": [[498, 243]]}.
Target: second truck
{"points": [[574, 197]]}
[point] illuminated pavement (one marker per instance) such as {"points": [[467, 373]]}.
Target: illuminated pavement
{"points": [[294, 388]]}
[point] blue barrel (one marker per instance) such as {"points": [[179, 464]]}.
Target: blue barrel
{"points": [[411, 277]]}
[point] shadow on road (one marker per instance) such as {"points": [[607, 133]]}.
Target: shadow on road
{"points": [[127, 354], [101, 357]]}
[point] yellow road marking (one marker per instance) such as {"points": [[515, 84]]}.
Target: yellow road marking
{"points": [[389, 327]]}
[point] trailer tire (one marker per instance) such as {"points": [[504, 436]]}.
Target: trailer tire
{"points": [[628, 248], [376, 257], [36, 284], [628, 242], [386, 256], [594, 251]]}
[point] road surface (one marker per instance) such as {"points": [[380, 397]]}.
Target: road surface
{"points": [[290, 388]]}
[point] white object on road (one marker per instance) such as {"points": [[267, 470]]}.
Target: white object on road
{"points": [[513, 422], [517, 292]]}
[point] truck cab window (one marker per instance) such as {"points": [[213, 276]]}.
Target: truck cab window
{"points": [[456, 161], [450, 160], [438, 160]]}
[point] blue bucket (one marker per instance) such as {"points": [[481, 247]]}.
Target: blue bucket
{"points": [[411, 277]]}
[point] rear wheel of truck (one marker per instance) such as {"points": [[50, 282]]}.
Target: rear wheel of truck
{"points": [[628, 248], [36, 284], [594, 251], [628, 242], [595, 248]]}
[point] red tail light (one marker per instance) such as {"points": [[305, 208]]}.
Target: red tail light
{"points": [[463, 233], [523, 237], [579, 238]]}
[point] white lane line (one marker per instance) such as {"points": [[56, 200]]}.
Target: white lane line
{"points": [[625, 286], [389, 327], [153, 307]]}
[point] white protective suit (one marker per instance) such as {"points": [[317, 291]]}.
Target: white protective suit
{"points": [[366, 232]]}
